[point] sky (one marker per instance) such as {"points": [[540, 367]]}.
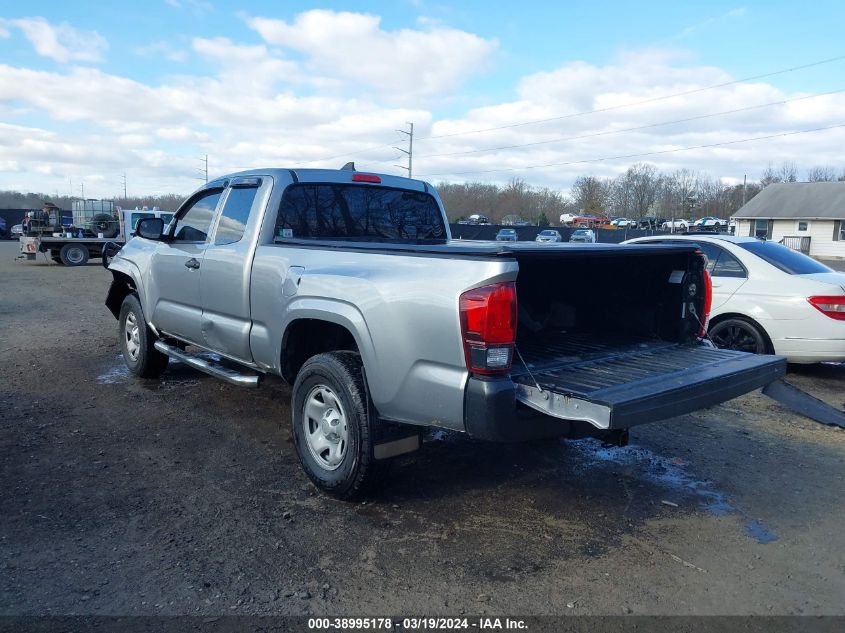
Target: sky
{"points": [[95, 93]]}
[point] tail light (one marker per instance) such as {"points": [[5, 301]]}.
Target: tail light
{"points": [[834, 307], [708, 303], [488, 327]]}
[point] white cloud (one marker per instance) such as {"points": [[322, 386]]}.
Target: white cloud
{"points": [[61, 42], [277, 103], [164, 49], [353, 48]]}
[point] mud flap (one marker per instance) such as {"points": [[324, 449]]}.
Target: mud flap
{"points": [[804, 404]]}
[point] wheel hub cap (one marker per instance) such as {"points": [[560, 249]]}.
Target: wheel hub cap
{"points": [[131, 336], [324, 427]]}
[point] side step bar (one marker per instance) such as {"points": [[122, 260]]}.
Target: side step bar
{"points": [[218, 371]]}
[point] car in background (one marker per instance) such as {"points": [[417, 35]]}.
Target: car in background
{"points": [[548, 235], [676, 225], [624, 223], [769, 299], [506, 235], [478, 218], [650, 223], [710, 222], [583, 235], [16, 231]]}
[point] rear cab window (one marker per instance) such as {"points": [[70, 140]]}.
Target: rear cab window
{"points": [[784, 258], [365, 213]]}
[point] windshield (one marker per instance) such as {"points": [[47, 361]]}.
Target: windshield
{"points": [[784, 258], [581, 232], [548, 233], [507, 232]]}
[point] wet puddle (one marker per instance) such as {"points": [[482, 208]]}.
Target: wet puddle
{"points": [[671, 473], [177, 376]]}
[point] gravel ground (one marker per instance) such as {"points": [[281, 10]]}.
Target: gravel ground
{"points": [[184, 496]]}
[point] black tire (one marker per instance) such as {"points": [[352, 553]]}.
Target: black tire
{"points": [[145, 361], [106, 224], [340, 374], [739, 334], [74, 254]]}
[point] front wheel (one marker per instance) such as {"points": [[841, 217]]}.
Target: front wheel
{"points": [[137, 341], [333, 429], [74, 254], [740, 335]]}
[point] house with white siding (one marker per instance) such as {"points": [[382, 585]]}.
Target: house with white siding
{"points": [[806, 216]]}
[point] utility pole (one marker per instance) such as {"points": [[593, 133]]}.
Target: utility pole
{"points": [[204, 169], [82, 190], [125, 197], [409, 151], [744, 184]]}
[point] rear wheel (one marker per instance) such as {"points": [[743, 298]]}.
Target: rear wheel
{"points": [[137, 341], [74, 255], [740, 335], [333, 428]]}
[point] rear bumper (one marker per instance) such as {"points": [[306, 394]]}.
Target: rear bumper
{"points": [[811, 350]]}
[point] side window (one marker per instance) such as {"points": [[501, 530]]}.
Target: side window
{"points": [[728, 266], [235, 214], [193, 224], [139, 216]]}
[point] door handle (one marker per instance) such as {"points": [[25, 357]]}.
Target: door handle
{"points": [[192, 263]]}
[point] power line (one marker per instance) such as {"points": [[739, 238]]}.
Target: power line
{"points": [[586, 112], [631, 129], [641, 102], [655, 153]]}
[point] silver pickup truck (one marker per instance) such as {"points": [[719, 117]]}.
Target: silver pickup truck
{"points": [[348, 286]]}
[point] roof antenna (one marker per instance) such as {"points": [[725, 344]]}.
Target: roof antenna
{"points": [[350, 166]]}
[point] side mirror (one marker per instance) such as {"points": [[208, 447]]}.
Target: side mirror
{"points": [[150, 228]]}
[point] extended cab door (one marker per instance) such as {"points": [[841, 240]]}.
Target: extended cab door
{"points": [[174, 288], [226, 268]]}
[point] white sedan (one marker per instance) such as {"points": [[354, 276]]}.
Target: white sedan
{"points": [[770, 299], [677, 225]]}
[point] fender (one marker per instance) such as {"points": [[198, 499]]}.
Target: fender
{"points": [[334, 311]]}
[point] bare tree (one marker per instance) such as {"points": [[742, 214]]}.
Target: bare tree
{"points": [[643, 182], [590, 195], [821, 174]]}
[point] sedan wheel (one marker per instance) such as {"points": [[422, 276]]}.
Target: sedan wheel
{"points": [[739, 335]]}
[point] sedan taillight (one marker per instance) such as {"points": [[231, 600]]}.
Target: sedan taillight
{"points": [[834, 307], [488, 327]]}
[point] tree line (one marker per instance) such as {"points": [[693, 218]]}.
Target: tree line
{"points": [[641, 191], [18, 200]]}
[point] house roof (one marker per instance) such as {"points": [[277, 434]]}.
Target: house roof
{"points": [[797, 200]]}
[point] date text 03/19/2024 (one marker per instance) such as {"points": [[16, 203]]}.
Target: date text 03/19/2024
{"points": [[416, 624]]}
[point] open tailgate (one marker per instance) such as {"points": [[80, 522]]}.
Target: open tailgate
{"points": [[641, 385]]}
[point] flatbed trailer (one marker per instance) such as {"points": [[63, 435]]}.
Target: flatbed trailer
{"points": [[69, 251]]}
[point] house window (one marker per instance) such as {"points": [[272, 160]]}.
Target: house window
{"points": [[761, 229], [839, 230], [802, 226]]}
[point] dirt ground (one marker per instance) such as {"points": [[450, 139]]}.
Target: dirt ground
{"points": [[184, 496]]}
